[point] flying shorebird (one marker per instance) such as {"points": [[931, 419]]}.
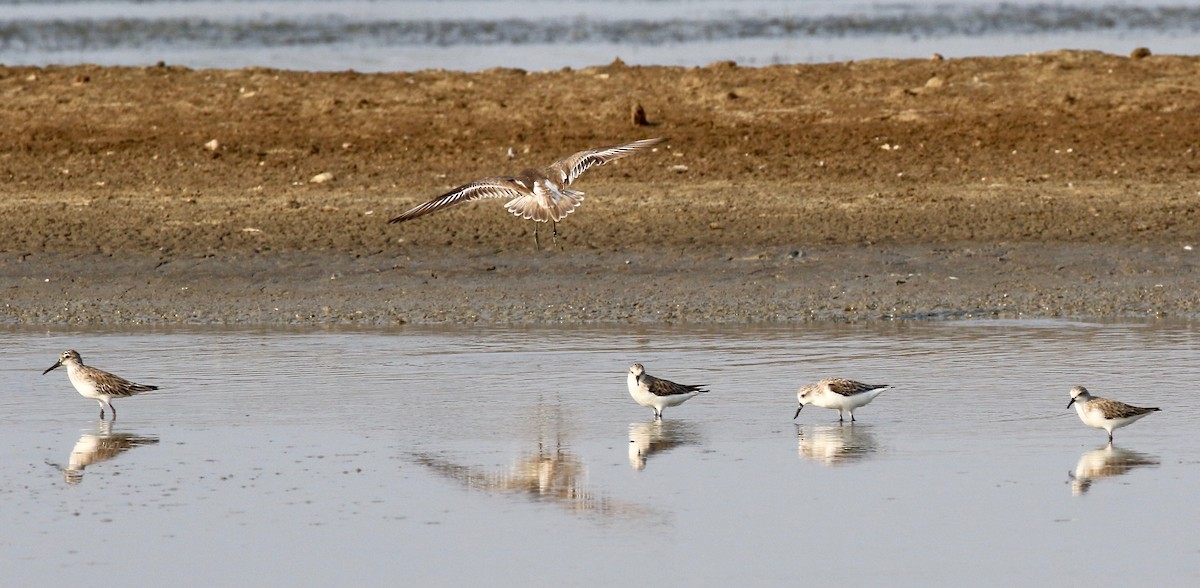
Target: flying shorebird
{"points": [[1103, 413], [840, 393], [537, 195], [97, 384], [657, 393]]}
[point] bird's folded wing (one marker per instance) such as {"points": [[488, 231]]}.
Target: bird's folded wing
{"points": [[846, 387], [1115, 409], [111, 385], [668, 388]]}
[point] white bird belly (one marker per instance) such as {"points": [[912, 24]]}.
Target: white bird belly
{"points": [[84, 386], [839, 402]]}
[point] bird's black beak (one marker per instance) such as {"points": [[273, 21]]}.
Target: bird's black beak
{"points": [[56, 364], [798, 409], [1070, 403]]}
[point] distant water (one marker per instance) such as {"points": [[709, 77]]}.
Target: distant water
{"points": [[388, 35]]}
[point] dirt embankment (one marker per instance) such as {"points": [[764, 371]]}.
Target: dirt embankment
{"points": [[1049, 184]]}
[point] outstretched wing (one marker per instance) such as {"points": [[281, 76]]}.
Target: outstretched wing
{"points": [[660, 387], [844, 387], [497, 187], [571, 167]]}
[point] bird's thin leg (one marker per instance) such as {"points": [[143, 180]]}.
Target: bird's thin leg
{"points": [[554, 235], [537, 245]]}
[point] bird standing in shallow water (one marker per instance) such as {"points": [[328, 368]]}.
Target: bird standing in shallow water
{"points": [[657, 393], [840, 393], [539, 195], [1103, 413], [97, 384]]}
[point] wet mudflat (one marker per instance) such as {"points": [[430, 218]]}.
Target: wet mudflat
{"points": [[405, 454], [864, 189]]}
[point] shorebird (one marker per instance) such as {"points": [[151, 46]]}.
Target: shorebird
{"points": [[97, 384], [840, 393], [539, 195], [1103, 413], [657, 393]]}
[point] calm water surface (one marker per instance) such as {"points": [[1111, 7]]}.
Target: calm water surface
{"points": [[516, 457]]}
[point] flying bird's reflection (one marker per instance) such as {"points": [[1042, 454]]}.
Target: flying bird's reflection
{"points": [[658, 436], [1105, 462], [835, 444], [101, 445], [550, 473]]}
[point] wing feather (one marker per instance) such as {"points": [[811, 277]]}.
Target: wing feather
{"points": [[660, 387], [1115, 409], [117, 386], [844, 387], [496, 187], [569, 168]]}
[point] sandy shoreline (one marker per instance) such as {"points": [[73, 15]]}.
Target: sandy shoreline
{"points": [[1048, 185]]}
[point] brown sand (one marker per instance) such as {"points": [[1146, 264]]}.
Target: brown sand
{"points": [[1061, 184]]}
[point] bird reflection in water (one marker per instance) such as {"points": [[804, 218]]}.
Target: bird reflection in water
{"points": [[1105, 462], [836, 444], [549, 473], [101, 445], [658, 436]]}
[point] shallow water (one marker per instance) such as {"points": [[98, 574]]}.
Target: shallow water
{"points": [[391, 35], [516, 457]]}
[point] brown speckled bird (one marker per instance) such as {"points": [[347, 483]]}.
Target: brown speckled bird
{"points": [[97, 384]]}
